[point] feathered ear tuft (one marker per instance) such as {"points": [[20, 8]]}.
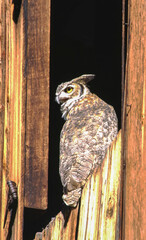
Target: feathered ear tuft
{"points": [[85, 78]]}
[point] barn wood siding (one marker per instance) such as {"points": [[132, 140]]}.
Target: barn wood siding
{"points": [[134, 126], [24, 107]]}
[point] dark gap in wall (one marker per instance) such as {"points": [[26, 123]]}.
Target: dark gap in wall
{"points": [[16, 11], [125, 26], [85, 38]]}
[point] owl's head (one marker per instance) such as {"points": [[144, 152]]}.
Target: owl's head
{"points": [[68, 93]]}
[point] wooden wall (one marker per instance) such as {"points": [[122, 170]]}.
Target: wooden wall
{"points": [[24, 132], [134, 126], [12, 138], [24, 116]]}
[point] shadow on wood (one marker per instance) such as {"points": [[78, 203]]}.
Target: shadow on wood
{"points": [[97, 216]]}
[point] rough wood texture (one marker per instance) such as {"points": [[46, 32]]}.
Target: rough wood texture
{"points": [[62, 227], [14, 121], [37, 35], [134, 126], [24, 107], [99, 208], [1, 105], [100, 202], [24, 69]]}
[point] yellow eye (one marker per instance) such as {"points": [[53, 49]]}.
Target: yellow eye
{"points": [[68, 89]]}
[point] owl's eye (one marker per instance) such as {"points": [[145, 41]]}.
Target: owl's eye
{"points": [[68, 89]]}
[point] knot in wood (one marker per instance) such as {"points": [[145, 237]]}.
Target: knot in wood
{"points": [[110, 207]]}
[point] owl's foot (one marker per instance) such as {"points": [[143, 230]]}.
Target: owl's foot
{"points": [[71, 198]]}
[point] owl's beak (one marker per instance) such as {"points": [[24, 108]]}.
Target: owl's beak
{"points": [[57, 99], [60, 100]]}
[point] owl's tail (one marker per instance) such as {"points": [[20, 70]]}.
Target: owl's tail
{"points": [[71, 198]]}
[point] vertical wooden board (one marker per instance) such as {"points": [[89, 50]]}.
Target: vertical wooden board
{"points": [[5, 147], [1, 106], [109, 226], [63, 226], [134, 126], [55, 228], [14, 121], [19, 142], [90, 206], [70, 225], [37, 26], [100, 201], [144, 122]]}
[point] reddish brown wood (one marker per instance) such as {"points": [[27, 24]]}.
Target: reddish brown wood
{"points": [[37, 50], [134, 127]]}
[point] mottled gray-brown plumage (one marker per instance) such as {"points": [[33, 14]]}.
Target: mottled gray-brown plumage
{"points": [[90, 127]]}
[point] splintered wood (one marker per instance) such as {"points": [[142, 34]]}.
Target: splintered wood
{"points": [[98, 216]]}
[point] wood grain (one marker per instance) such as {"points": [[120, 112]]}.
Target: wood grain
{"points": [[134, 126], [1, 101], [24, 108], [63, 226], [37, 50], [14, 118], [100, 202]]}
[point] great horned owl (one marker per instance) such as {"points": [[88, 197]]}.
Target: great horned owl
{"points": [[90, 127]]}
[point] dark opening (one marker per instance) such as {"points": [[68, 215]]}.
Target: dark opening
{"points": [[85, 38], [16, 11]]}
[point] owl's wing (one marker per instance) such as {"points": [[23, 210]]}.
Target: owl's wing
{"points": [[87, 146], [84, 143]]}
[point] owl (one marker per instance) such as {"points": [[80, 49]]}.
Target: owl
{"points": [[90, 127]]}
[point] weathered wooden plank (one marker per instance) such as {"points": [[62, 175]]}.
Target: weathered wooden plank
{"points": [[90, 206], [134, 126], [56, 227], [5, 80], [1, 104], [3, 161], [63, 226], [71, 224], [13, 102], [110, 209], [99, 210], [100, 202], [14, 119], [37, 27]]}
